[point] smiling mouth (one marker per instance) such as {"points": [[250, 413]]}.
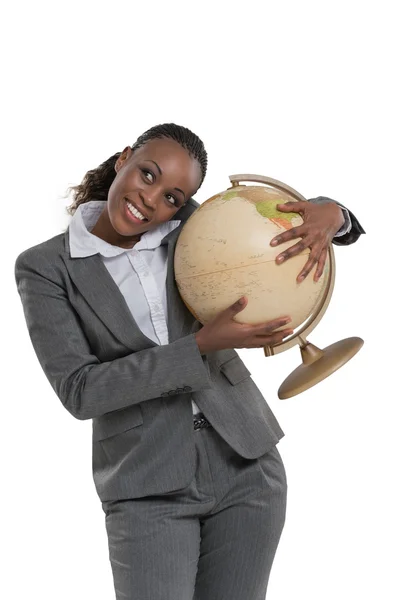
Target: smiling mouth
{"points": [[131, 212]]}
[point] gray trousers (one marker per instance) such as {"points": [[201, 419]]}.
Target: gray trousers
{"points": [[214, 540]]}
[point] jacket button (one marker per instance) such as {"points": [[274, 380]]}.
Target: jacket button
{"points": [[187, 388]]}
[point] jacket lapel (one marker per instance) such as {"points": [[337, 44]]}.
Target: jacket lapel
{"points": [[96, 285]]}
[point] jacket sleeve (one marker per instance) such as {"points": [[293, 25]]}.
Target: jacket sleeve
{"points": [[351, 229], [87, 387]]}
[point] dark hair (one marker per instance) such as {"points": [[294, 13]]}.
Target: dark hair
{"points": [[96, 183]]}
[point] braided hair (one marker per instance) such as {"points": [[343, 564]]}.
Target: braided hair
{"points": [[96, 182]]}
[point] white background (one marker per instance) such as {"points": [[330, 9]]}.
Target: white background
{"points": [[303, 92]]}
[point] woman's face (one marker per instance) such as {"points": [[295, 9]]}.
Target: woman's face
{"points": [[157, 179]]}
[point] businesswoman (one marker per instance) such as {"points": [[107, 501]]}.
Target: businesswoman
{"points": [[184, 451]]}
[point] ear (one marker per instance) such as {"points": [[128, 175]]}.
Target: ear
{"points": [[123, 157]]}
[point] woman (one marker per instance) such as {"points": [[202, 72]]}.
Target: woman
{"points": [[184, 445]]}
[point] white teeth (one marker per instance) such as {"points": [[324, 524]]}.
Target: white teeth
{"points": [[134, 211]]}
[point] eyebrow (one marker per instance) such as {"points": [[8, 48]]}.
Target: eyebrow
{"points": [[160, 172]]}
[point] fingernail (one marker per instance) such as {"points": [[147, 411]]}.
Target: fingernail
{"points": [[280, 259], [301, 278], [273, 243]]}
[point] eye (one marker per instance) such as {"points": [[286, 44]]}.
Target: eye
{"points": [[147, 172], [171, 196], [151, 179]]}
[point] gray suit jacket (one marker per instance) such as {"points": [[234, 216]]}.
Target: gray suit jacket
{"points": [[102, 367]]}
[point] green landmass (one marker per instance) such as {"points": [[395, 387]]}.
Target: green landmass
{"points": [[269, 210], [266, 208]]}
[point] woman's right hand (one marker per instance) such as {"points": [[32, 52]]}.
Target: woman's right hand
{"points": [[222, 332]]}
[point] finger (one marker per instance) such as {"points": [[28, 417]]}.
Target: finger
{"points": [[291, 234], [275, 338], [312, 260], [291, 206], [320, 266], [265, 328], [293, 250]]}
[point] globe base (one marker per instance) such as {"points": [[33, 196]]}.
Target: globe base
{"points": [[318, 364]]}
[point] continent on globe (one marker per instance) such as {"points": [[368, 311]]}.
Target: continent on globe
{"points": [[268, 209]]}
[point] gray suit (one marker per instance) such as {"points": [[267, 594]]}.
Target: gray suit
{"points": [[102, 367]]}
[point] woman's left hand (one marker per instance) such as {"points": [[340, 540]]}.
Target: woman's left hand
{"points": [[321, 223]]}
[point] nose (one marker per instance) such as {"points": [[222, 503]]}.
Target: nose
{"points": [[148, 199]]}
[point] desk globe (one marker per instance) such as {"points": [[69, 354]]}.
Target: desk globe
{"points": [[223, 252]]}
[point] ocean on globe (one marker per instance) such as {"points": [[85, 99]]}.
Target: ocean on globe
{"points": [[223, 252]]}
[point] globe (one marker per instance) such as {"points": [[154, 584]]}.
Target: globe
{"points": [[223, 252]]}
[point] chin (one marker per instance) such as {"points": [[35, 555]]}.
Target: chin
{"points": [[124, 227]]}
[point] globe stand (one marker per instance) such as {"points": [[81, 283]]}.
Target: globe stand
{"points": [[317, 364]]}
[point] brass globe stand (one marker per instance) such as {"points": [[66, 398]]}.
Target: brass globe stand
{"points": [[317, 364]]}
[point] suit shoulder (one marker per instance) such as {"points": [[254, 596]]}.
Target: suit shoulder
{"points": [[43, 253], [193, 203], [186, 210]]}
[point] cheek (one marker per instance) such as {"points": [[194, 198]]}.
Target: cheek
{"points": [[115, 188], [116, 194], [132, 182], [125, 183]]}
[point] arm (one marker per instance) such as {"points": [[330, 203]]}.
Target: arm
{"points": [[86, 387]]}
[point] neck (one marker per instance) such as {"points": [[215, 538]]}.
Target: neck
{"points": [[104, 230]]}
